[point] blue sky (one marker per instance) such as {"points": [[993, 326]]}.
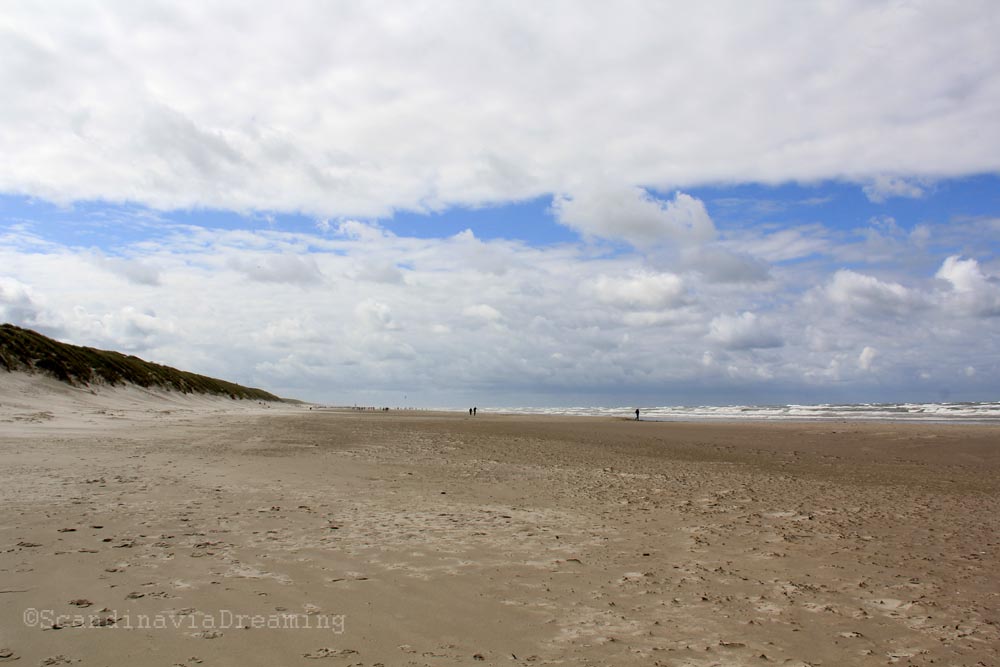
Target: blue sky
{"points": [[371, 206], [839, 206]]}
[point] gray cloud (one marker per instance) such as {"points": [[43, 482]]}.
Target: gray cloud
{"points": [[864, 295], [339, 110], [135, 271], [721, 265], [283, 268], [636, 216], [745, 331], [18, 303]]}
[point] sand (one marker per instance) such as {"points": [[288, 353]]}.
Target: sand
{"points": [[441, 539]]}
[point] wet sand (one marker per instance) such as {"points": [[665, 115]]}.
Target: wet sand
{"points": [[440, 539]]}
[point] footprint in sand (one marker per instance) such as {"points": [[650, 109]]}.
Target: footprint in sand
{"points": [[890, 604], [329, 653]]}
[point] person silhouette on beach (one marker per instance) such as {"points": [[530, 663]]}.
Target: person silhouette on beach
{"points": [[470, 412], [474, 411], [637, 414]]}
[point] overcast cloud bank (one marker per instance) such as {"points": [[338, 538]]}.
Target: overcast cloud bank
{"points": [[336, 110]]}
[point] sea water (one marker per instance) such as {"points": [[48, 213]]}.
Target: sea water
{"points": [[984, 412]]}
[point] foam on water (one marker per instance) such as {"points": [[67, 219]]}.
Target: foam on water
{"points": [[937, 412]]}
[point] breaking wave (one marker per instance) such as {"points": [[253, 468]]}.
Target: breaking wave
{"points": [[937, 412]]}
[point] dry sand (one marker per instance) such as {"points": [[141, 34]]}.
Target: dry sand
{"points": [[440, 539]]}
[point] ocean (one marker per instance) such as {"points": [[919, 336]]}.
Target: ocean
{"points": [[964, 412]]}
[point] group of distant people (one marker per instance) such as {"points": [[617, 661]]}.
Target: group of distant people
{"points": [[473, 411]]}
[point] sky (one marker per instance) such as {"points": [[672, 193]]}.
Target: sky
{"points": [[511, 204]]}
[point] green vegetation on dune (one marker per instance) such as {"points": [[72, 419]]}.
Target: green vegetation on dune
{"points": [[23, 349]]}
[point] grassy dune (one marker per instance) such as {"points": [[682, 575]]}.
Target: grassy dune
{"points": [[23, 349]]}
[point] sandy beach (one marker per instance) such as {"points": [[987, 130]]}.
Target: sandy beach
{"points": [[166, 530]]}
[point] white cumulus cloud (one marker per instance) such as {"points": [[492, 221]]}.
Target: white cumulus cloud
{"points": [[632, 214], [974, 291], [643, 289], [866, 295], [743, 332]]}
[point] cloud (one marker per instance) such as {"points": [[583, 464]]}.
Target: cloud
{"points": [[972, 290], [868, 296], [134, 270], [636, 216], [964, 275], [18, 302], [122, 327], [283, 268], [743, 332], [782, 245], [375, 315], [338, 112], [653, 318], [721, 265], [354, 229], [289, 330], [180, 145], [866, 358], [482, 311], [642, 290], [133, 329], [882, 187], [379, 272], [560, 323]]}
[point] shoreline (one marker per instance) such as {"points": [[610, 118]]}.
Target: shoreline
{"points": [[487, 412]]}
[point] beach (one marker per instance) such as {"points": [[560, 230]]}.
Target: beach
{"points": [[167, 530]]}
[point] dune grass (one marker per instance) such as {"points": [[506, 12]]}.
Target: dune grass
{"points": [[24, 349]]}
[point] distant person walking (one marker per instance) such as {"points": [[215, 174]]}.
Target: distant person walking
{"points": [[470, 412], [474, 411], [637, 414]]}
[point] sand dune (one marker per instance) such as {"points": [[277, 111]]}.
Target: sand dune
{"points": [[440, 539]]}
